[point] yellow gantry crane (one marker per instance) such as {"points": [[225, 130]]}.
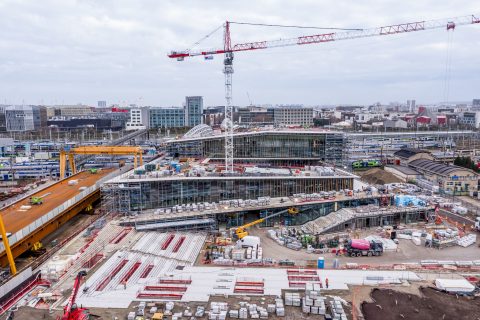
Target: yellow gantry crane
{"points": [[108, 150]]}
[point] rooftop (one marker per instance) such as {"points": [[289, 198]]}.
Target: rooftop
{"points": [[203, 170], [436, 167], [409, 152]]}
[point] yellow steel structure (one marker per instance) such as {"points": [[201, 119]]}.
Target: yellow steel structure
{"points": [[11, 262], [241, 231], [109, 150]]}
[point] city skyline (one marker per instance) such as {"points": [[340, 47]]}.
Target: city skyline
{"points": [[70, 52]]}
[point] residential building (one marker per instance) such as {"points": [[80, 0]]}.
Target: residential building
{"points": [[139, 119], [293, 116], [78, 110], [254, 115], [450, 179], [395, 124], [167, 117], [102, 104], [25, 118], [104, 121], [471, 118], [193, 111]]}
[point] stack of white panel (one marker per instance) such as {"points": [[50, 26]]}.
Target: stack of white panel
{"points": [[271, 308], [218, 311], [279, 308], [293, 299], [243, 313]]}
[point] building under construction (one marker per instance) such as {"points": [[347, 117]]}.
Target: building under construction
{"points": [[168, 184], [273, 147]]}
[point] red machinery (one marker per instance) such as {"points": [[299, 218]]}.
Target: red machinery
{"points": [[71, 310]]}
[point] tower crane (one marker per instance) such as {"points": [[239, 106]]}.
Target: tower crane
{"points": [[228, 51]]}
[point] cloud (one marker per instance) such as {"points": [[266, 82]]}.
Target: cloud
{"points": [[73, 51]]}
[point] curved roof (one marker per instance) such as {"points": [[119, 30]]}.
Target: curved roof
{"points": [[436, 167], [201, 130], [409, 152]]}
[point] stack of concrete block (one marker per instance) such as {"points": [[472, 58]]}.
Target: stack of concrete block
{"points": [[313, 302], [337, 310], [218, 311], [279, 308], [234, 314], [293, 299], [177, 316], [243, 313], [271, 308]]}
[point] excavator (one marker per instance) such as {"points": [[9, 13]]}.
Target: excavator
{"points": [[241, 231], [71, 311]]}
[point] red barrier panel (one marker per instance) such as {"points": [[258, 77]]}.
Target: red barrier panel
{"points": [[112, 274], [179, 244], [303, 278], [93, 261], [130, 272], [249, 283], [165, 288], [248, 290], [146, 271], [170, 296], [167, 242], [120, 236], [175, 281]]}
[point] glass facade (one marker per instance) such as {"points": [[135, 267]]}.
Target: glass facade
{"points": [[167, 117], [193, 111], [295, 146], [151, 194]]}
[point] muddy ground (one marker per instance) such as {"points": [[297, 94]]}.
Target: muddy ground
{"points": [[387, 304]]}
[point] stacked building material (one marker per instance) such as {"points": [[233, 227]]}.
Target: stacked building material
{"points": [[293, 299], [337, 309], [218, 311], [313, 302], [279, 308], [467, 240]]}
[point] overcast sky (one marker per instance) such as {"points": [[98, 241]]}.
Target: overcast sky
{"points": [[66, 51]]}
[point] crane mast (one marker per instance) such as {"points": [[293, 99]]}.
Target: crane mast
{"points": [[228, 71]]}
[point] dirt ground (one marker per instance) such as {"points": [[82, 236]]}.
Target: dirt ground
{"points": [[431, 305], [378, 176]]}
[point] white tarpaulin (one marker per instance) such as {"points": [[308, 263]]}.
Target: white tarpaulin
{"points": [[454, 285]]}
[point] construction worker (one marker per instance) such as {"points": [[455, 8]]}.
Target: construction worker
{"points": [[326, 283]]}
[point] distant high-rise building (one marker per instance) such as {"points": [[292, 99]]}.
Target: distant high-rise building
{"points": [[411, 106], [193, 111], [102, 104], [476, 103]]}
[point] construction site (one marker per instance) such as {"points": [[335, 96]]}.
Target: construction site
{"points": [[281, 232]]}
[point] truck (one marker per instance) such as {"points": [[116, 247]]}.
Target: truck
{"points": [[477, 223], [363, 247]]}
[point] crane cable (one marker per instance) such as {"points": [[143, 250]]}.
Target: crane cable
{"points": [[266, 25], [448, 66]]}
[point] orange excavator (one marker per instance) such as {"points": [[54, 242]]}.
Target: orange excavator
{"points": [[71, 310]]}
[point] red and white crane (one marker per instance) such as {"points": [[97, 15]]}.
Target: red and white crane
{"points": [[346, 34], [71, 310]]}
